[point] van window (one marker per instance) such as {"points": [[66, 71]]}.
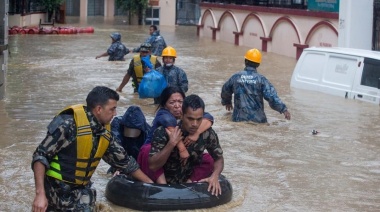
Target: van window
{"points": [[371, 72]]}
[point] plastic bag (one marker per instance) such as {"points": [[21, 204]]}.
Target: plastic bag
{"points": [[146, 62], [152, 84]]}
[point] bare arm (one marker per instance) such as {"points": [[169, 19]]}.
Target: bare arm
{"points": [[102, 55], [159, 159], [40, 202], [124, 82], [139, 175]]}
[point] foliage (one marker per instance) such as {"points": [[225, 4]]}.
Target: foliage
{"points": [[51, 5], [133, 6]]}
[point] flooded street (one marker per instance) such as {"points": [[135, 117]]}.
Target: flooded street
{"points": [[275, 167]]}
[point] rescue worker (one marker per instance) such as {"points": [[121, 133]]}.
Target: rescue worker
{"points": [[117, 50], [156, 41], [137, 67], [249, 89], [175, 76], [77, 139]]}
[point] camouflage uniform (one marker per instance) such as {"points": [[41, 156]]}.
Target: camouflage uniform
{"points": [[157, 41], [117, 50], [61, 134], [175, 76], [249, 89], [174, 171]]}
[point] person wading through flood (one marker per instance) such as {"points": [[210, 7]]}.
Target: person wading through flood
{"points": [[174, 75], [137, 68], [249, 89], [117, 50], [155, 40]]}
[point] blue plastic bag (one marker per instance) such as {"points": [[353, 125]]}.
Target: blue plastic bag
{"points": [[152, 84], [146, 61]]}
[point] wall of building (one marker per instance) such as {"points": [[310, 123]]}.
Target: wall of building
{"points": [[279, 30], [26, 20], [356, 24], [109, 8], [167, 12], [83, 9]]}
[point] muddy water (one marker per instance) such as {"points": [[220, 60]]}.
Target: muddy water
{"points": [[275, 167]]}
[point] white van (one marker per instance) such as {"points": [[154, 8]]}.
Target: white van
{"points": [[349, 73]]}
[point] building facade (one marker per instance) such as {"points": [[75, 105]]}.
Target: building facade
{"points": [[287, 30]]}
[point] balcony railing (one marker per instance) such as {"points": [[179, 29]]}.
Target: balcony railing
{"points": [[297, 4]]}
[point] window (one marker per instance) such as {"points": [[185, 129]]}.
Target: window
{"points": [[371, 73], [152, 16]]}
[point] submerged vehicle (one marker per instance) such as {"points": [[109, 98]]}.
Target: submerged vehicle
{"points": [[346, 72]]}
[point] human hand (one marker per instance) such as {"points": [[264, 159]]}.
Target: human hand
{"points": [[118, 90], [191, 139], [117, 172], [287, 115], [213, 185], [229, 107], [175, 135], [40, 203], [96, 57]]}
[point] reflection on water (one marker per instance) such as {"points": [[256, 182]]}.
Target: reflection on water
{"points": [[280, 167]]}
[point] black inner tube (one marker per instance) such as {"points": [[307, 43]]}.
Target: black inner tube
{"points": [[128, 193]]}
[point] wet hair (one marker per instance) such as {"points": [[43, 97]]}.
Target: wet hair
{"points": [[167, 93], [194, 102], [154, 27], [251, 64], [100, 96]]}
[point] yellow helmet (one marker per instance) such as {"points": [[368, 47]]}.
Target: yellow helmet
{"points": [[169, 52], [253, 55]]}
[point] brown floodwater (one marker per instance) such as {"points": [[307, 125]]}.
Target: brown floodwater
{"points": [[276, 167]]}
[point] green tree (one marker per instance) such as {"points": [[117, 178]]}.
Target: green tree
{"points": [[51, 6], [135, 7]]}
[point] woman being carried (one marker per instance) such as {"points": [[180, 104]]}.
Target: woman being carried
{"points": [[168, 112]]}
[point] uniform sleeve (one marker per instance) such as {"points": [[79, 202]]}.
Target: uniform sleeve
{"points": [[166, 120], [213, 145], [111, 49], [126, 50], [117, 157], [227, 91], [150, 39], [61, 133], [183, 82], [270, 94], [159, 140]]}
